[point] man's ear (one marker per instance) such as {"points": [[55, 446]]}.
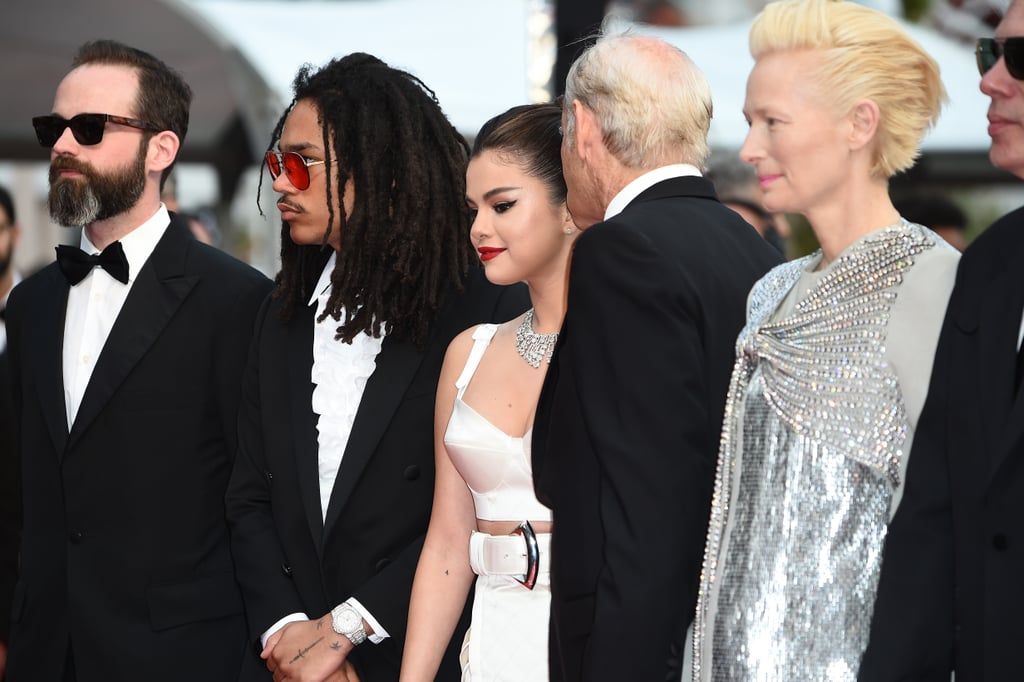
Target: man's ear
{"points": [[163, 149], [584, 129]]}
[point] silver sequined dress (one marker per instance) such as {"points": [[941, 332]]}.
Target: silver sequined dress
{"points": [[812, 456]]}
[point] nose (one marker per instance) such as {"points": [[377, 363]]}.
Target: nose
{"points": [[997, 80], [283, 185], [479, 230], [751, 150], [65, 145]]}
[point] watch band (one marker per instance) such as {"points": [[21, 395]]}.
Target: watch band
{"points": [[347, 621]]}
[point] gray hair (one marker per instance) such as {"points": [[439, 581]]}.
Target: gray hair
{"points": [[652, 103]]}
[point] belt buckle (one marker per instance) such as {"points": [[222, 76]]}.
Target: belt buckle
{"points": [[528, 579]]}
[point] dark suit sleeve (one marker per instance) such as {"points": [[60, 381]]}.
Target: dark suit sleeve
{"points": [[10, 497], [10, 463], [912, 627], [233, 340], [259, 557], [638, 361]]}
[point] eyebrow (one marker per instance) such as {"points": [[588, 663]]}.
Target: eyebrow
{"points": [[499, 190], [298, 147]]}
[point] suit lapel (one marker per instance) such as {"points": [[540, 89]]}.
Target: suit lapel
{"points": [[48, 344], [303, 419], [1004, 408], [397, 363], [158, 291]]}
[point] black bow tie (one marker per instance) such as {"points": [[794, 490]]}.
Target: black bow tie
{"points": [[76, 264]]}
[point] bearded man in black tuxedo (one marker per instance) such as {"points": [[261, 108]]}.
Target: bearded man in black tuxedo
{"points": [[127, 358]]}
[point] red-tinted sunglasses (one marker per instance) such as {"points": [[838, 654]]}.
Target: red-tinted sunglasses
{"points": [[296, 167]]}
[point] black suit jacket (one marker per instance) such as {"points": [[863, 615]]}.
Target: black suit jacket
{"points": [[288, 558], [125, 554], [951, 592], [628, 424], [10, 498]]}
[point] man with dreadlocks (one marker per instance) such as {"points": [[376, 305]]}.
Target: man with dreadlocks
{"points": [[332, 488]]}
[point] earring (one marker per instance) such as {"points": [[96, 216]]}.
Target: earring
{"points": [[570, 230]]}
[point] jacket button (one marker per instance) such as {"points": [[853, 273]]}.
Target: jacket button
{"points": [[75, 536], [382, 564], [1000, 543], [412, 472], [286, 569]]}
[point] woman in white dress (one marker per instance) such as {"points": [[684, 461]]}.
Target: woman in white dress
{"points": [[833, 365], [486, 521]]}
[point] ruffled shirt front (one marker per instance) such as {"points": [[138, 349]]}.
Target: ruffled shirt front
{"points": [[339, 375]]}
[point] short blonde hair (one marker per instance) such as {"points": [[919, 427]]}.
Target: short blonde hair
{"points": [[651, 101], [865, 55]]}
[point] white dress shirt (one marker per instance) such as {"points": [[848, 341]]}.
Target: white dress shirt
{"points": [[339, 374], [94, 304], [644, 182], [3, 304]]}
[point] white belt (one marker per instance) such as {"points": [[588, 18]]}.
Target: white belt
{"points": [[510, 554]]}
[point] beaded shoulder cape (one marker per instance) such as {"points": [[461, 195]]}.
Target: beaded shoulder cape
{"points": [[821, 390]]}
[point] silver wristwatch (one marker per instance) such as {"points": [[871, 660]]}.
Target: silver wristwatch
{"points": [[349, 622]]}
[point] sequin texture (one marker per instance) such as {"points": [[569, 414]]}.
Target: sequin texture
{"points": [[810, 456]]}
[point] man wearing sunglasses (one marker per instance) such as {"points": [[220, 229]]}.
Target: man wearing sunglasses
{"points": [[951, 592], [127, 356], [333, 484]]}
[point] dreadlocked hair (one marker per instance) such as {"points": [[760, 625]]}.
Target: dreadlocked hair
{"points": [[406, 243]]}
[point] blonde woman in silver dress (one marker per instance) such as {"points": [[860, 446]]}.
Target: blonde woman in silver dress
{"points": [[833, 365], [486, 521]]}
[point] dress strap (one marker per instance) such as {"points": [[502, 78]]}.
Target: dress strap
{"points": [[482, 336]]}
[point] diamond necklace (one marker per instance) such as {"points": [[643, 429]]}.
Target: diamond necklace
{"points": [[534, 347]]}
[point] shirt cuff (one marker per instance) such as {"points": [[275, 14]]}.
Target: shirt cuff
{"points": [[379, 633], [290, 618]]}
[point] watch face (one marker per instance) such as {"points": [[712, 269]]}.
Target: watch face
{"points": [[348, 620]]}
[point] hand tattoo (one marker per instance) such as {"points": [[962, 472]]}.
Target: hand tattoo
{"points": [[302, 652]]}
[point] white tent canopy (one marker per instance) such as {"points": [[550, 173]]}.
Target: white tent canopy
{"points": [[474, 55], [722, 54], [477, 56]]}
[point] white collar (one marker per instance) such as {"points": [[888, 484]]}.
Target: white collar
{"points": [[646, 181], [138, 244], [323, 285]]}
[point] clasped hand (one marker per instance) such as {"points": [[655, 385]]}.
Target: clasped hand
{"points": [[309, 651]]}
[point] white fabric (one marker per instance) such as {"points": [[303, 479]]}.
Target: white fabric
{"points": [[506, 554], [3, 304], [495, 465], [508, 638], [649, 179], [94, 304], [339, 375], [378, 636]]}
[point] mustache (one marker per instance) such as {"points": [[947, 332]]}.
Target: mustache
{"points": [[69, 163], [284, 204]]}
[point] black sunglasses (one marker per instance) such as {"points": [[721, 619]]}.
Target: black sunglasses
{"points": [[87, 128], [295, 165], [989, 50]]}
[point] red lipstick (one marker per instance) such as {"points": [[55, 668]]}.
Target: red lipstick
{"points": [[489, 252]]}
